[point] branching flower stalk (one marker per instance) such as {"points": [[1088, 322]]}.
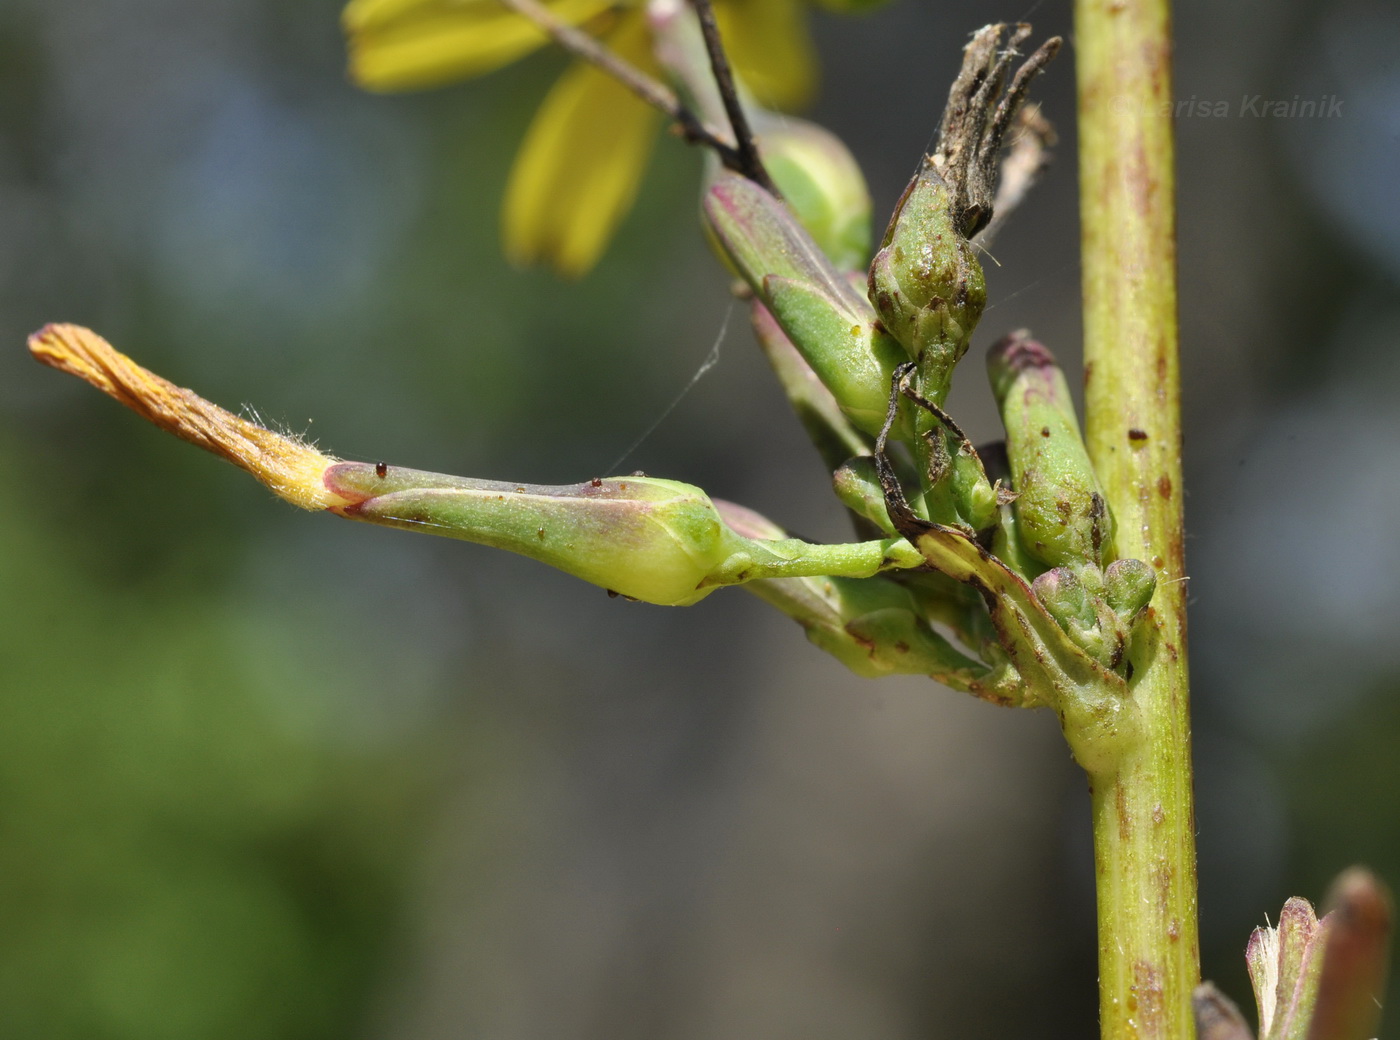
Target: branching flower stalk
{"points": [[1047, 574]]}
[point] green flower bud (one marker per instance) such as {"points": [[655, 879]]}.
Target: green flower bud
{"points": [[1060, 510], [926, 283], [857, 485], [1072, 606], [831, 325], [649, 539], [821, 183], [1128, 587], [1072, 599], [655, 540]]}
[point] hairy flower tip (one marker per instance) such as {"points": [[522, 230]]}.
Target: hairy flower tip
{"points": [[291, 468]]}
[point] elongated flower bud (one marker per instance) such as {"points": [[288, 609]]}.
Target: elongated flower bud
{"points": [[925, 281], [827, 320], [1061, 513], [656, 540], [649, 539]]}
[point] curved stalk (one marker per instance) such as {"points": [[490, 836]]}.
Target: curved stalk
{"points": [[1144, 833]]}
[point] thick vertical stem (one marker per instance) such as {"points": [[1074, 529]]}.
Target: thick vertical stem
{"points": [[1143, 821]]}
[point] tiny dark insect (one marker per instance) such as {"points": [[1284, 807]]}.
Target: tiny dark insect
{"points": [[381, 469], [596, 482]]}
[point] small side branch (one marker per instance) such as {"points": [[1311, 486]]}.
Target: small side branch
{"points": [[650, 90], [742, 160], [751, 164]]}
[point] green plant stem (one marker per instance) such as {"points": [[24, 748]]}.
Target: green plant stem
{"points": [[1144, 832]]}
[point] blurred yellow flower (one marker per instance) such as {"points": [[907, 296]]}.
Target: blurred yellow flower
{"points": [[583, 157]]}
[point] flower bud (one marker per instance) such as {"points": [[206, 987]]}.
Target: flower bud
{"points": [[833, 328], [925, 281], [1072, 599], [857, 485], [1060, 510], [648, 539], [1128, 587], [1067, 600]]}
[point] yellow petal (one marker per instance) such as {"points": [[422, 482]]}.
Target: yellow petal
{"points": [[408, 44], [770, 49], [289, 467], [578, 171]]}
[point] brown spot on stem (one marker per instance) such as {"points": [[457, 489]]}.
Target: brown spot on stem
{"points": [[1164, 486], [1147, 984], [1045, 431], [1137, 435], [1120, 805]]}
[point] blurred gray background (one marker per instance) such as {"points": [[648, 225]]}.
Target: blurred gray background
{"points": [[265, 774]]}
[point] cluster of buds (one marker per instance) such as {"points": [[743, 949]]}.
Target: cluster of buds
{"points": [[1019, 570], [874, 351]]}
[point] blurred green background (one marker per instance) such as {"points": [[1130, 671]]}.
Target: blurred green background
{"points": [[264, 774]]}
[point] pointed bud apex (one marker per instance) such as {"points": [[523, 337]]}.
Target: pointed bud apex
{"points": [[289, 467], [825, 318], [857, 485], [1060, 509], [925, 281], [1128, 587], [822, 185]]}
